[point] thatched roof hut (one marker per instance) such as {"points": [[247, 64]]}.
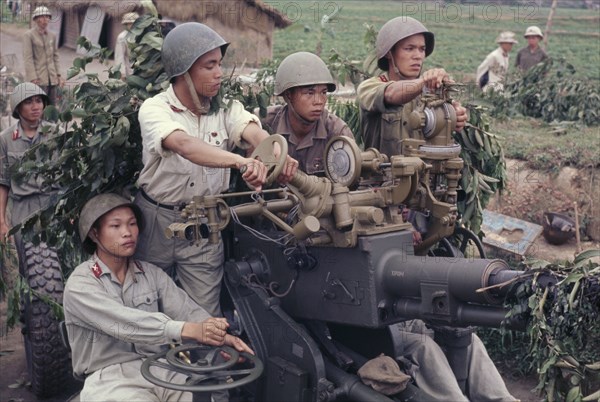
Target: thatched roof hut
{"points": [[247, 24]]}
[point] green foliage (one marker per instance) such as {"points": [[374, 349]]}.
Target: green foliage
{"points": [[551, 146], [551, 92], [464, 31], [97, 147], [564, 331], [484, 172], [349, 112]]}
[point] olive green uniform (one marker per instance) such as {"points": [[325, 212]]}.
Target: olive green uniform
{"points": [[27, 196], [527, 59], [383, 126], [308, 150], [40, 58]]}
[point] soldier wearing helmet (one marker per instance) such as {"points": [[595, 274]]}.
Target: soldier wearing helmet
{"points": [[40, 54], [187, 152], [531, 54], [121, 48], [27, 103], [303, 81], [491, 73], [387, 100], [119, 310]]}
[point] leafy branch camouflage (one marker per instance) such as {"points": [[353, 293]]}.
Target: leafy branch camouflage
{"points": [[551, 92]]}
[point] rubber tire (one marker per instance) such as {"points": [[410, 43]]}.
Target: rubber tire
{"points": [[48, 360]]}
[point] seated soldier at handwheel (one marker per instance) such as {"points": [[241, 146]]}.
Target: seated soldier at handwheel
{"points": [[119, 310]]}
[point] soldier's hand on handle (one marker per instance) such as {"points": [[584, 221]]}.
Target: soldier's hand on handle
{"points": [[211, 331], [434, 78], [461, 115], [254, 172], [290, 169]]}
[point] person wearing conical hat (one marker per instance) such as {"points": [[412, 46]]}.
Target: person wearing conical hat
{"points": [[531, 54], [40, 54], [491, 73], [122, 52]]}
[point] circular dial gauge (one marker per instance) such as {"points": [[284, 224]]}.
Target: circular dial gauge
{"points": [[342, 161]]}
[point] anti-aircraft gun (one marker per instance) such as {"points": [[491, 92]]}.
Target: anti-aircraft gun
{"points": [[319, 288]]}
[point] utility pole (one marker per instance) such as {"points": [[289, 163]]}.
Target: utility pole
{"points": [[549, 23]]}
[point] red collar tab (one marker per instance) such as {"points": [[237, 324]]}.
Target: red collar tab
{"points": [[16, 135], [383, 78], [96, 270], [176, 109]]}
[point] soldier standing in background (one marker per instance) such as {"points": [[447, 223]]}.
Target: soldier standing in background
{"points": [[40, 55], [121, 48], [491, 73], [531, 54]]}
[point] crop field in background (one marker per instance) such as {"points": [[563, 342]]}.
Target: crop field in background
{"points": [[464, 33]]}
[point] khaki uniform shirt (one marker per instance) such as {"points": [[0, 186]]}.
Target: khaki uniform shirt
{"points": [[122, 54], [383, 126], [171, 179], [496, 63], [109, 323], [309, 150], [40, 57], [13, 145], [527, 59]]}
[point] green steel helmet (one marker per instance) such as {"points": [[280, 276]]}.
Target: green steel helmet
{"points": [[394, 31], [95, 208], [300, 69], [185, 44], [24, 91]]}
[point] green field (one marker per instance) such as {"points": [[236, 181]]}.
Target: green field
{"points": [[465, 34]]}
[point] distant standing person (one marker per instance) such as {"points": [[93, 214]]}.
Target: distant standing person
{"points": [[491, 74], [531, 54], [40, 55], [122, 52]]}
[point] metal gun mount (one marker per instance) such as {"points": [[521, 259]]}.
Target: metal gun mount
{"points": [[328, 212], [324, 296]]}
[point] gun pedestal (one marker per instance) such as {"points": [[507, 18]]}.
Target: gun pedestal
{"points": [[455, 342]]}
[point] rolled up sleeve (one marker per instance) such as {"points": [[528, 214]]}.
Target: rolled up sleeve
{"points": [[236, 120], [156, 123]]}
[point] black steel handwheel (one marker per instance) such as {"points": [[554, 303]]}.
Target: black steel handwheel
{"points": [[463, 238], [457, 245], [207, 370]]}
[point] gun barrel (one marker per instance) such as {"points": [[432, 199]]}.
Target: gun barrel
{"points": [[454, 291]]}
